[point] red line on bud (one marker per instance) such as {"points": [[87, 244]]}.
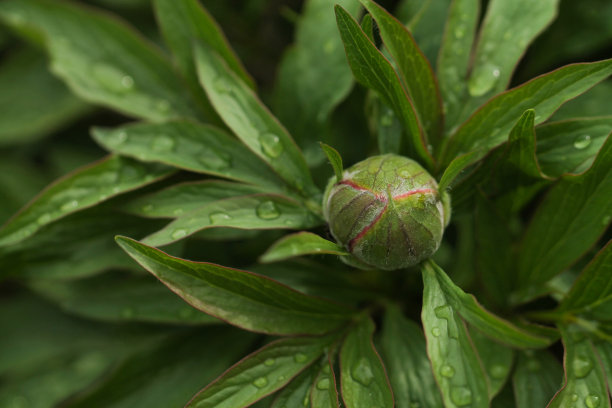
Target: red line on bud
{"points": [[417, 191], [367, 228]]}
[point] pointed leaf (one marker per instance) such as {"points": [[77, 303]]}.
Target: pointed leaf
{"points": [[505, 34], [102, 59], [469, 309], [121, 297], [457, 369], [569, 221], [313, 77], [455, 56], [334, 159], [261, 373], [251, 121], [374, 71], [186, 21], [536, 378], [183, 198], [298, 390], [594, 286], [458, 166], [405, 357], [258, 211], [585, 379], [491, 124], [81, 189], [244, 299], [571, 145], [33, 103], [414, 69], [521, 146], [190, 146], [362, 374], [301, 243]]}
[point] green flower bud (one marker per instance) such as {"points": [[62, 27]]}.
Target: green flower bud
{"points": [[387, 212]]}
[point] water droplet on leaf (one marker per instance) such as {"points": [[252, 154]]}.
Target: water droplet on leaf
{"points": [[44, 218], [435, 332], [70, 205], [179, 233], [163, 143], [447, 371], [582, 366], [300, 358], [499, 371], [267, 211], [260, 382], [459, 32], [592, 401], [483, 80], [271, 144], [323, 384], [269, 362], [127, 82], [111, 78], [362, 372], [219, 217], [582, 142], [461, 396], [222, 85]]}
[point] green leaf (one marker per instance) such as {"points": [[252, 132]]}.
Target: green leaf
{"points": [[33, 103], [496, 360], [466, 305], [414, 69], [190, 146], [591, 103], [520, 152], [76, 246], [536, 378], [298, 390], [298, 244], [569, 221], [458, 166], [334, 159], [604, 350], [117, 297], [491, 124], [81, 189], [593, 287], [405, 357], [585, 380], [455, 56], [185, 197], [169, 374], [261, 373], [251, 121], [184, 22], [367, 25], [571, 145], [363, 378], [372, 70], [259, 211], [457, 369], [244, 299], [505, 34], [313, 77], [388, 127], [103, 60], [324, 392]]}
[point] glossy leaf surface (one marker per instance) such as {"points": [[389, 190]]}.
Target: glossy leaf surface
{"points": [[244, 299], [536, 378]]}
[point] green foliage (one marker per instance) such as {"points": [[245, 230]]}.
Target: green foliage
{"points": [[221, 167]]}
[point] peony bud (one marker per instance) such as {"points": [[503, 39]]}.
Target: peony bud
{"points": [[387, 212]]}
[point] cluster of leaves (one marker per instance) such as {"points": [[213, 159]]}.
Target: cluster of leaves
{"points": [[209, 173]]}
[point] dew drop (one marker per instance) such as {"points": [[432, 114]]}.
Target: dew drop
{"points": [[499, 371], [483, 80], [323, 384], [300, 358], [271, 144], [592, 401], [269, 362], [117, 138], [127, 313], [216, 161], [222, 85], [163, 143], [44, 218], [582, 142], [582, 366], [574, 397], [459, 32], [362, 372], [178, 211], [435, 332], [267, 211], [260, 382], [306, 401], [127, 82], [179, 233], [447, 371], [219, 217], [70, 205], [461, 396]]}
